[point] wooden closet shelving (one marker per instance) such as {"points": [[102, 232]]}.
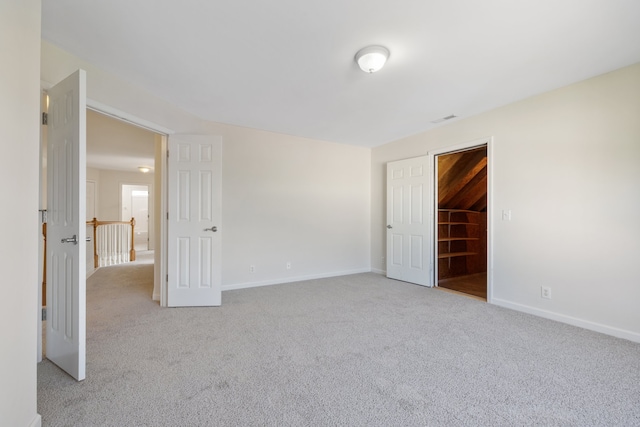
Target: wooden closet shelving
{"points": [[458, 236], [453, 226]]}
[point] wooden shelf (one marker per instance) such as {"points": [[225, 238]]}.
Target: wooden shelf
{"points": [[455, 254], [458, 210], [458, 245], [452, 239]]}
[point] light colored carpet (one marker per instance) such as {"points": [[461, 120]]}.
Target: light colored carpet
{"points": [[357, 350], [143, 257]]}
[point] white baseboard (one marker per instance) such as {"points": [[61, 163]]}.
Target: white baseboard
{"points": [[155, 296], [581, 323], [377, 271], [292, 279], [36, 422]]}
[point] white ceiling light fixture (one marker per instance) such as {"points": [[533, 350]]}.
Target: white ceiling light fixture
{"points": [[144, 169], [372, 58]]}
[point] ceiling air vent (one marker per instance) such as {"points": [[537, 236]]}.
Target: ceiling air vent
{"points": [[449, 117]]}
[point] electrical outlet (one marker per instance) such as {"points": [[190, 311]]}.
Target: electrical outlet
{"points": [[252, 268], [545, 292], [506, 214], [289, 265]]}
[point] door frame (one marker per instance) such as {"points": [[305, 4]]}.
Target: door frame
{"points": [[433, 208], [160, 254]]}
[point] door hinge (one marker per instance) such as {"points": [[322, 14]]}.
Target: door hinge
{"points": [[167, 278], [44, 313], [167, 216], [45, 119], [167, 154]]}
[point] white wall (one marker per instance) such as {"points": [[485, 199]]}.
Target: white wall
{"points": [[109, 199], [288, 199], [109, 196], [284, 198], [20, 227], [567, 165]]}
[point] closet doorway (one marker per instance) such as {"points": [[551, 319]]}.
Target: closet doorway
{"points": [[461, 220]]}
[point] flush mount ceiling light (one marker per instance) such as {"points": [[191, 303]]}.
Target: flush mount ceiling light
{"points": [[144, 169], [372, 58]]}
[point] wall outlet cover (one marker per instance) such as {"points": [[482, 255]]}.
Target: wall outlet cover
{"points": [[545, 292]]}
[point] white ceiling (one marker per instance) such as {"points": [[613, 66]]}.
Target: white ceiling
{"points": [[115, 145], [287, 65]]}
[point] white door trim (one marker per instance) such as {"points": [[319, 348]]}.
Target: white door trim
{"points": [[433, 197], [126, 117]]}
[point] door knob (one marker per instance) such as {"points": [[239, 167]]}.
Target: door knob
{"points": [[389, 227], [214, 229], [73, 240]]}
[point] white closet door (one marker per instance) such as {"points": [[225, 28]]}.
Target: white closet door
{"points": [[408, 250]]}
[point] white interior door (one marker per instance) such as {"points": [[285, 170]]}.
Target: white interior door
{"points": [[66, 230], [408, 245], [194, 235]]}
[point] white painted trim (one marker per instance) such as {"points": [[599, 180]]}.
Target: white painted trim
{"points": [[126, 117], [490, 220], [570, 320], [433, 194], [293, 279], [41, 205], [36, 422], [163, 239], [378, 271], [433, 218]]}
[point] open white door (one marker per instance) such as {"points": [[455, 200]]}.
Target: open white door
{"points": [[408, 250], [194, 236], [66, 230]]}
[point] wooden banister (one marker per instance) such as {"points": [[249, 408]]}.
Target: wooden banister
{"points": [[95, 223]]}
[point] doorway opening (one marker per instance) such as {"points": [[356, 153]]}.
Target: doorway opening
{"points": [[135, 204], [461, 222]]}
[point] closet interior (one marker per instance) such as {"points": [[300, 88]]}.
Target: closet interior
{"points": [[462, 221]]}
